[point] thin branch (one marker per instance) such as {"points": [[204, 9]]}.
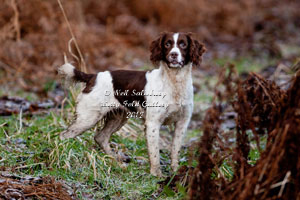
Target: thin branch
{"points": [[82, 62], [16, 19]]}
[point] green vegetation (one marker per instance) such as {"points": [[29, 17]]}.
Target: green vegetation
{"points": [[31, 146], [246, 64]]}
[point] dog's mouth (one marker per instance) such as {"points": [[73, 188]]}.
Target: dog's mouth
{"points": [[175, 64]]}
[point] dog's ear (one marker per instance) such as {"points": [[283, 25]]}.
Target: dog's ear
{"points": [[196, 50], [156, 49]]}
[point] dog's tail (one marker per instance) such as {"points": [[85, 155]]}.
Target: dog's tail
{"points": [[70, 73]]}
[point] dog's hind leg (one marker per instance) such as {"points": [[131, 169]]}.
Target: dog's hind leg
{"points": [[80, 125], [113, 123], [86, 118]]}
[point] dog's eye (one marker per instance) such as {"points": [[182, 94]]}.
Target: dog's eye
{"points": [[182, 45], [168, 44]]}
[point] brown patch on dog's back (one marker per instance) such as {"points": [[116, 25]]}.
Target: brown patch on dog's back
{"points": [[89, 79], [129, 80], [90, 84]]}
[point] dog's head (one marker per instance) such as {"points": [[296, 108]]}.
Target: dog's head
{"points": [[176, 50]]}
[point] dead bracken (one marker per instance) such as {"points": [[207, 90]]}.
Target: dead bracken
{"points": [[15, 187], [261, 106]]}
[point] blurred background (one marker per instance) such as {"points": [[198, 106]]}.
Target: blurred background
{"points": [[254, 35], [116, 33]]}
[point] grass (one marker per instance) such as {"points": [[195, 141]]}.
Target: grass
{"points": [[246, 64], [35, 149]]}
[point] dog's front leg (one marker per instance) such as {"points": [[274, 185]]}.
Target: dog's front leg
{"points": [[152, 134], [180, 130]]}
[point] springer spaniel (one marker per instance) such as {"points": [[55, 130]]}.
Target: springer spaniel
{"points": [[162, 96]]}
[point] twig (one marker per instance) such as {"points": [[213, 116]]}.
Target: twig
{"points": [[20, 120], [281, 183], [264, 89], [16, 19], [62, 107], [217, 168], [285, 180], [24, 166], [82, 62], [6, 67], [3, 124], [92, 161], [70, 50]]}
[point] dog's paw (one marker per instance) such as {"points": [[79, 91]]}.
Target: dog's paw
{"points": [[174, 167], [156, 172], [122, 157], [66, 135], [62, 135]]}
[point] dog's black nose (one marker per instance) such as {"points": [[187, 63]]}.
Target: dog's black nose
{"points": [[174, 55]]}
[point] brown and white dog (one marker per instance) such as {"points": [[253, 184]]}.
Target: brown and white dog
{"points": [[161, 96]]}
